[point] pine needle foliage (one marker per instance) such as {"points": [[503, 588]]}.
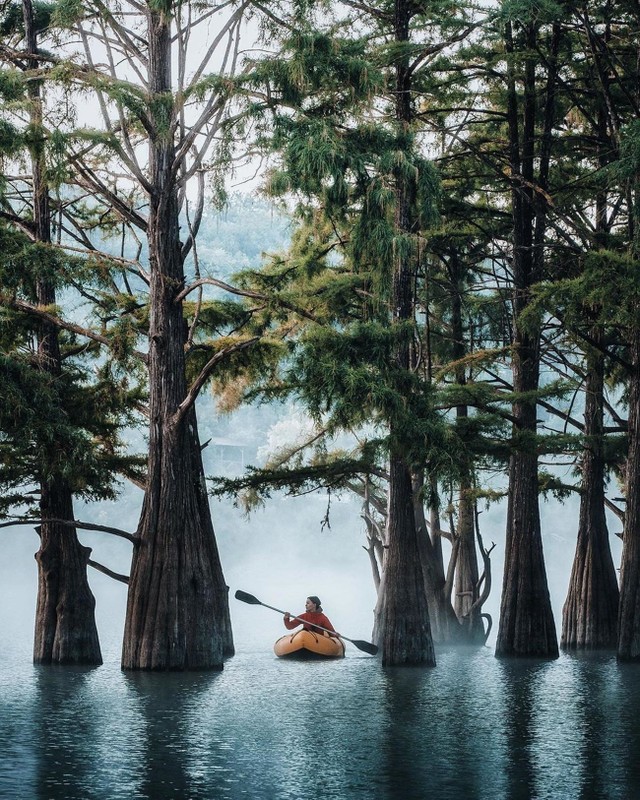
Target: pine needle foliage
{"points": [[56, 425], [327, 121]]}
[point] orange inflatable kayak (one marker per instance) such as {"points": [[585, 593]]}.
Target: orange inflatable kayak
{"points": [[307, 645]]}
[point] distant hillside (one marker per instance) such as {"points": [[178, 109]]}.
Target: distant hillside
{"points": [[236, 237]]}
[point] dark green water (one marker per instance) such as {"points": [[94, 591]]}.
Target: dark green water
{"points": [[473, 727]]}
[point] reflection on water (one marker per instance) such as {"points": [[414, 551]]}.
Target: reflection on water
{"points": [[473, 728]]}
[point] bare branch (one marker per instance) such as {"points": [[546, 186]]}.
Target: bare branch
{"points": [[74, 523], [115, 575], [205, 373]]}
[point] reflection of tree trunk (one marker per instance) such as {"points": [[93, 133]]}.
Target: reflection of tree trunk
{"points": [[590, 615], [520, 722], [629, 615], [69, 741], [177, 612], [65, 629]]}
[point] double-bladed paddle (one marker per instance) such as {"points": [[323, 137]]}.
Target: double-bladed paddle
{"points": [[367, 647]]}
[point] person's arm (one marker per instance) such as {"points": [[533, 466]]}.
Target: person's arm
{"points": [[291, 623]]}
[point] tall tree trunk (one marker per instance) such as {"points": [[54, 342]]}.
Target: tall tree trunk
{"points": [[445, 628], [405, 632], [629, 613], [467, 575], [590, 615], [526, 620], [177, 611], [466, 566], [65, 628], [403, 629]]}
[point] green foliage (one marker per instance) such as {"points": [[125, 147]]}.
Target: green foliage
{"points": [[12, 19], [627, 167], [604, 294], [67, 13], [258, 485], [58, 422], [531, 12], [12, 86], [52, 429]]}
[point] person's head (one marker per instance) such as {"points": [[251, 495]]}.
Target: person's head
{"points": [[313, 603]]}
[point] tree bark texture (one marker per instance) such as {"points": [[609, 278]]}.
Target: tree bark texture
{"points": [[590, 614], [629, 612], [445, 628], [466, 591], [65, 628], [405, 631], [526, 625], [177, 611]]}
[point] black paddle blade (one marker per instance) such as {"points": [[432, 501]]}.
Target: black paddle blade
{"points": [[366, 646], [247, 598]]}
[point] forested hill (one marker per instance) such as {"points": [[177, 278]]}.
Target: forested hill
{"points": [[237, 237]]}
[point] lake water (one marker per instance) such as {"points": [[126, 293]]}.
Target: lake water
{"points": [[471, 728]]}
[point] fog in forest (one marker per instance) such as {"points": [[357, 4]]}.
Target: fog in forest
{"points": [[243, 732], [281, 552]]}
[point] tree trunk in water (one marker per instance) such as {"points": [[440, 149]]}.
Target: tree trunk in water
{"points": [[590, 615], [466, 563], [65, 628], [629, 613], [177, 611], [403, 630], [467, 577], [526, 620], [403, 613], [445, 628]]}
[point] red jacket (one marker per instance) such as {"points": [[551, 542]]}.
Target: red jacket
{"points": [[309, 617]]}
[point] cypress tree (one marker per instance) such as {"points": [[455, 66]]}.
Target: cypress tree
{"points": [[369, 184], [65, 629]]}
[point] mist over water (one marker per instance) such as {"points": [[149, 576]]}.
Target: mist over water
{"points": [[473, 728]]}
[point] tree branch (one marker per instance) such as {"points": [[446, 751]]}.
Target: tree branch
{"points": [[246, 293], [21, 305], [115, 575], [206, 371], [73, 523]]}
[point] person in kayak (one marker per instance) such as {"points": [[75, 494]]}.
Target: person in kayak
{"points": [[313, 614]]}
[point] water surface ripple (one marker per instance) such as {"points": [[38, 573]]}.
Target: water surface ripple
{"points": [[473, 728]]}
